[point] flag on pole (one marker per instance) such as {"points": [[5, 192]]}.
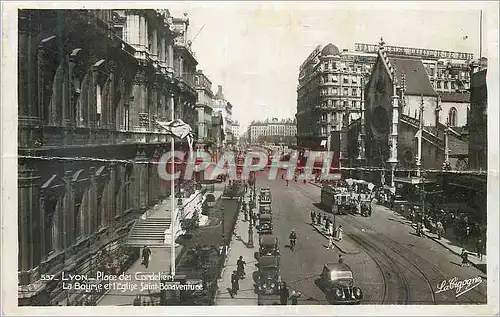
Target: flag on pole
{"points": [[179, 129], [418, 135]]}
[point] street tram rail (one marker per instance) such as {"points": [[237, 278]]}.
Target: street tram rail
{"points": [[386, 265], [416, 261]]}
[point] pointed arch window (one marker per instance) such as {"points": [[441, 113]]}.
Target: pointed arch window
{"points": [[452, 117], [98, 93], [51, 230]]}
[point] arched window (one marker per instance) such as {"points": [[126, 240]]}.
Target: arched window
{"points": [[452, 117]]}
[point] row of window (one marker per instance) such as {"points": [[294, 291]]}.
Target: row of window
{"points": [[343, 66], [440, 84], [339, 103], [346, 80], [354, 92]]}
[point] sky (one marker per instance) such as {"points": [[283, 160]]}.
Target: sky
{"points": [[254, 50]]}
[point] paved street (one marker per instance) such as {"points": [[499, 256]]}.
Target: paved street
{"points": [[393, 265]]}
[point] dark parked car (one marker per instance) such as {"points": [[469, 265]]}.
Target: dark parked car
{"points": [[265, 209], [268, 246], [265, 224], [337, 282], [268, 281]]}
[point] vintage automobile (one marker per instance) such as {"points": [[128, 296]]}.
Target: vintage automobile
{"points": [[265, 191], [268, 281], [268, 246], [337, 282], [265, 224], [265, 209], [264, 199]]}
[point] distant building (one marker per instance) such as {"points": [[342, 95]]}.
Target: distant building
{"points": [[204, 108], [236, 131], [217, 134], [226, 109], [273, 131]]}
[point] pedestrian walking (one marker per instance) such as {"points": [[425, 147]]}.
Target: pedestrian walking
{"points": [[284, 294], [295, 297], [255, 218], [146, 254], [240, 264], [330, 242], [313, 216], [318, 219], [465, 258], [440, 229], [235, 284], [479, 248], [340, 233], [341, 259], [467, 234], [327, 221], [419, 228], [330, 228]]}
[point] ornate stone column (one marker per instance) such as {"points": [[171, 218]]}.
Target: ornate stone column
{"points": [[111, 212], [92, 203], [393, 159], [29, 220], [140, 176], [67, 212], [138, 107]]}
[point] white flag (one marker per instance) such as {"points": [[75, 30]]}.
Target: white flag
{"points": [[418, 135], [180, 129]]}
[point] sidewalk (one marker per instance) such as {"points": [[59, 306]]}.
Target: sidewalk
{"points": [[246, 294], [160, 263], [344, 246], [447, 244]]}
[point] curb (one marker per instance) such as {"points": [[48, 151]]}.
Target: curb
{"points": [[478, 266], [336, 243]]}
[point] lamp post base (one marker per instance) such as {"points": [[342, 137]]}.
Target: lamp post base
{"points": [[250, 238]]}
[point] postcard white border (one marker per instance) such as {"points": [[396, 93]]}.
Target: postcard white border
{"points": [[9, 167]]}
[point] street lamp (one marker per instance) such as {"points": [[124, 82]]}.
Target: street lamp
{"points": [[223, 226], [250, 235]]}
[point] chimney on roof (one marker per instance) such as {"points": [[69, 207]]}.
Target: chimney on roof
{"points": [[219, 89]]}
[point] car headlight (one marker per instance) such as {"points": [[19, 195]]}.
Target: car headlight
{"points": [[264, 286], [273, 285], [357, 292], [338, 293]]}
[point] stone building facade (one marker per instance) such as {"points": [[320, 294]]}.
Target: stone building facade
{"points": [[273, 131], [204, 108], [91, 84], [331, 85], [399, 99]]}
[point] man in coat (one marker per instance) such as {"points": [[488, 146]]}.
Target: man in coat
{"points": [[235, 284], [146, 252], [284, 294]]}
